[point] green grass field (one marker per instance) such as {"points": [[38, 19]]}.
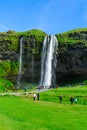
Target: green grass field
{"points": [[22, 113], [53, 95]]}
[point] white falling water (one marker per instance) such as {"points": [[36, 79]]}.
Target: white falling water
{"points": [[48, 56], [20, 61]]}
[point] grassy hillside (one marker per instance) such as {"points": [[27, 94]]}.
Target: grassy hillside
{"points": [[23, 114], [5, 85], [77, 30], [18, 113], [73, 37], [53, 95]]}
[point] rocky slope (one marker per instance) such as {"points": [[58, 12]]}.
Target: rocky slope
{"points": [[72, 55]]}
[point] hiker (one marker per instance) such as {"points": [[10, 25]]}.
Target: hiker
{"points": [[25, 89], [71, 100], [38, 96], [56, 86], [60, 98], [34, 96]]}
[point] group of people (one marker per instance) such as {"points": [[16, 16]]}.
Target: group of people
{"points": [[72, 99]]}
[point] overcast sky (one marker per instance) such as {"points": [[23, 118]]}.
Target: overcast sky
{"points": [[51, 16]]}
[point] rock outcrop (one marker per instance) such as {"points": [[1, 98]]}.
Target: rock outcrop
{"points": [[72, 56]]}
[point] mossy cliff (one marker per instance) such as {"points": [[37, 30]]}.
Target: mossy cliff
{"points": [[72, 56], [10, 52], [71, 59]]}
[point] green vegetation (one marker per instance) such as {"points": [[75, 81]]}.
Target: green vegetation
{"points": [[85, 82], [4, 68], [53, 95], [8, 67], [33, 33], [9, 41], [14, 67], [77, 30], [9, 48], [75, 37], [25, 114], [34, 38], [5, 84]]}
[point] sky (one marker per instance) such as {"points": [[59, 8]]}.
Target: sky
{"points": [[51, 16]]}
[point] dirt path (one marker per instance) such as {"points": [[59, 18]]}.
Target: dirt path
{"points": [[22, 93]]}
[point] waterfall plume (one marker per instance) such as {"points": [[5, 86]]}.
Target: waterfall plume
{"points": [[20, 62], [48, 61]]}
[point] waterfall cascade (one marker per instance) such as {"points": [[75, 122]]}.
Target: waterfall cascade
{"points": [[20, 62], [48, 61]]}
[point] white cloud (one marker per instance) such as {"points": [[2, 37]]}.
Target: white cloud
{"points": [[48, 7], [3, 27], [43, 16], [85, 14]]}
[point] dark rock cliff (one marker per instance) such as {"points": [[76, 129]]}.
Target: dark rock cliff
{"points": [[72, 56]]}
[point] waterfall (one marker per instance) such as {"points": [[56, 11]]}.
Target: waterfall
{"points": [[20, 62], [48, 61]]}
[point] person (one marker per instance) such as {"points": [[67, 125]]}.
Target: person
{"points": [[25, 89], [34, 96], [38, 96], [60, 98], [39, 88], [71, 100], [75, 100], [57, 86]]}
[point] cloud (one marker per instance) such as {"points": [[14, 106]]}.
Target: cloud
{"points": [[42, 24], [3, 27], [64, 14], [85, 14], [48, 6]]}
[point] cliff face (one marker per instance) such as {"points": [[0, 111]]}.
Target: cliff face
{"points": [[31, 56], [72, 64], [71, 58]]}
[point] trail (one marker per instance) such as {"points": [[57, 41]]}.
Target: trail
{"points": [[23, 93]]}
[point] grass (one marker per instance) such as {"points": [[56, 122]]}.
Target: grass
{"points": [[20, 113], [53, 95], [77, 30]]}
